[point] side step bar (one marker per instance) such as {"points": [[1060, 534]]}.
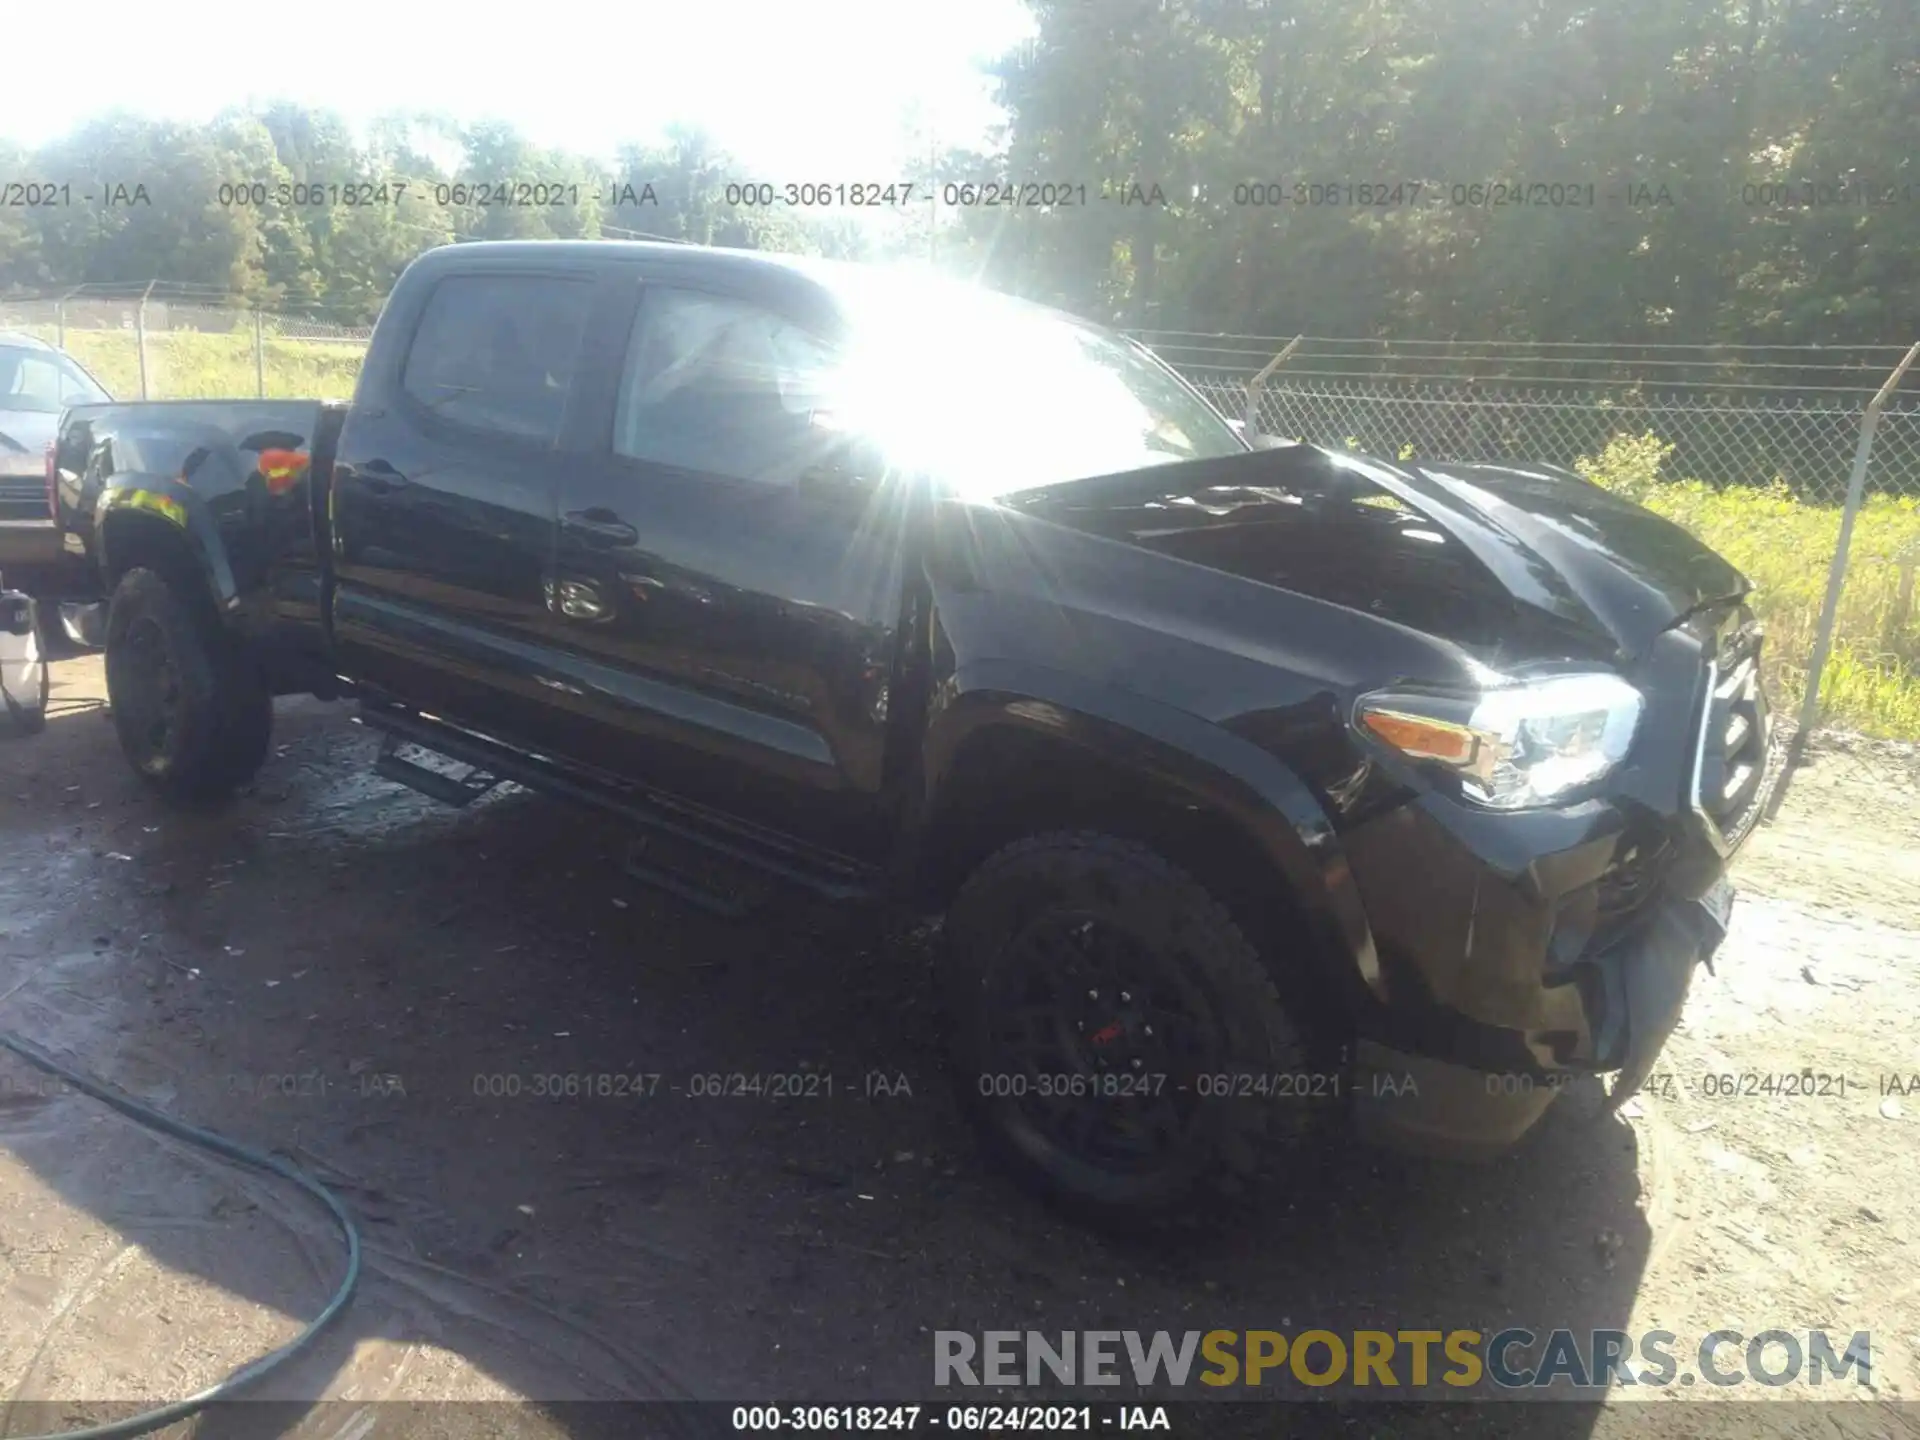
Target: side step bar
{"points": [[417, 772], [723, 887], [722, 856]]}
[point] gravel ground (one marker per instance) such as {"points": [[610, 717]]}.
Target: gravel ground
{"points": [[375, 986]]}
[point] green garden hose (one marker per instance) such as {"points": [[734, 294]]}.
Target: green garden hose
{"points": [[152, 1119]]}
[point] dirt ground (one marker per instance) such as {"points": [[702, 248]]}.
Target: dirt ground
{"points": [[373, 985]]}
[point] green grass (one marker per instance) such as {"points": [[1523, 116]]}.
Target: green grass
{"points": [[1784, 545], [186, 365]]}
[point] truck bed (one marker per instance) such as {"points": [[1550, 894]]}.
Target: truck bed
{"points": [[211, 446]]}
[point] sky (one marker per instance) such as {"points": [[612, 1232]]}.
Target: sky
{"points": [[822, 90]]}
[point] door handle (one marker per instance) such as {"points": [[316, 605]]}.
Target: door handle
{"points": [[380, 477], [601, 528]]}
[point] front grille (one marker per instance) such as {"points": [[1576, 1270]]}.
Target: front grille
{"points": [[20, 490], [1731, 763]]}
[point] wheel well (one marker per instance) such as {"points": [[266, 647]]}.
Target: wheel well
{"points": [[1006, 784], [133, 541]]}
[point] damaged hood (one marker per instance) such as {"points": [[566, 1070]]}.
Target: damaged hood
{"points": [[1516, 565]]}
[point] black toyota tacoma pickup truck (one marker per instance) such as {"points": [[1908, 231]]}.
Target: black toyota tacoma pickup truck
{"points": [[1255, 782]]}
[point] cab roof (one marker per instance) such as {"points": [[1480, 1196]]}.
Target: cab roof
{"points": [[853, 283]]}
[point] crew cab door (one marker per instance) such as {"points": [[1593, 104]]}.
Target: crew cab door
{"points": [[444, 493], [730, 588]]}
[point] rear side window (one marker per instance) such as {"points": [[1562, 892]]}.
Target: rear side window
{"points": [[723, 387], [499, 352]]}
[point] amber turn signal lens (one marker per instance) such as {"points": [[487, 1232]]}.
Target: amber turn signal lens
{"points": [[1422, 738], [281, 469]]}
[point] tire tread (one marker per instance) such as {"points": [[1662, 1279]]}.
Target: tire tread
{"points": [[228, 739], [1115, 868]]}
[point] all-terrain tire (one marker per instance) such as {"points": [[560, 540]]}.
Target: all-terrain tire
{"points": [[193, 719], [1225, 1034], [247, 720]]}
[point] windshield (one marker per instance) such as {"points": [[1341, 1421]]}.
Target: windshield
{"points": [[993, 396], [44, 381]]}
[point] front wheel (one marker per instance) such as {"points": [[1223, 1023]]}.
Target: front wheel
{"points": [[192, 717], [1117, 1039]]}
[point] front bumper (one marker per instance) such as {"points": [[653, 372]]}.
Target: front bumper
{"points": [[28, 544], [1433, 1105], [37, 557], [1520, 950]]}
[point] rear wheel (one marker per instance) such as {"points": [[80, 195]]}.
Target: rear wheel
{"points": [[1117, 1038], [193, 719]]}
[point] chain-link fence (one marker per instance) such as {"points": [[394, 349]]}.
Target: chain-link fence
{"points": [[1752, 448], [165, 345], [1798, 425]]}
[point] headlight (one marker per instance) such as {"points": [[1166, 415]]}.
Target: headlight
{"points": [[1515, 747]]}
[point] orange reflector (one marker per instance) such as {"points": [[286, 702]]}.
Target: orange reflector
{"points": [[1420, 737], [282, 469]]}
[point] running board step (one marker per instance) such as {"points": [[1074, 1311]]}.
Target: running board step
{"points": [[431, 773], [731, 865], [711, 882]]}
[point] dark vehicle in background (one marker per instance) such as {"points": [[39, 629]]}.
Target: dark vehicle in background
{"points": [[1255, 783], [37, 382]]}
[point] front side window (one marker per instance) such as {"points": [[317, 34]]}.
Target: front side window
{"points": [[499, 352], [987, 394], [723, 387], [995, 396]]}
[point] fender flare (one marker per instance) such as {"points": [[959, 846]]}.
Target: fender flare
{"points": [[1189, 756], [178, 506]]}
